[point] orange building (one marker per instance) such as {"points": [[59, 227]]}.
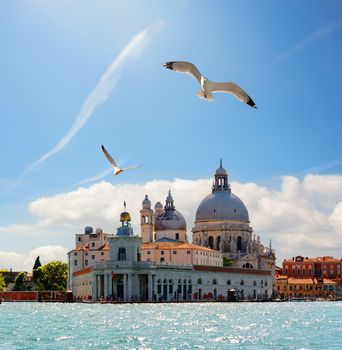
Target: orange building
{"points": [[180, 253], [305, 288], [320, 267], [309, 278]]}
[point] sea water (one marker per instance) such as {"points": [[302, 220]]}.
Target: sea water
{"points": [[287, 325]]}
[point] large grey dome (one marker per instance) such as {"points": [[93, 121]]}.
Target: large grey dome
{"points": [[175, 222], [222, 205]]}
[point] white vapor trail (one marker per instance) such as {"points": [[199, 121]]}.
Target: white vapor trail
{"points": [[102, 90], [311, 39], [94, 178], [317, 168]]}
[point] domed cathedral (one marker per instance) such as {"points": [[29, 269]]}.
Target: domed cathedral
{"points": [[222, 223], [162, 224]]}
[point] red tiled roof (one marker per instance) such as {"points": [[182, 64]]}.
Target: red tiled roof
{"points": [[175, 246], [83, 271]]}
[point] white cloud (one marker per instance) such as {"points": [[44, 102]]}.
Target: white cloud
{"points": [[25, 262], [302, 217], [102, 90]]}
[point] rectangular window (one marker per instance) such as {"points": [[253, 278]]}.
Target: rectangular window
{"points": [[93, 244], [188, 252], [174, 252], [148, 252], [93, 257], [102, 253], [86, 262], [122, 254], [162, 252], [75, 262], [86, 253], [79, 239]]}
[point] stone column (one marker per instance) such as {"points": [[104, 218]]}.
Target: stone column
{"points": [[94, 288], [110, 285], [99, 284], [105, 288], [129, 287], [125, 287], [149, 287]]}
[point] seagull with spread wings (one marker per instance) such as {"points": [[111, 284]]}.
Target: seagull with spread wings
{"points": [[209, 86], [117, 170]]}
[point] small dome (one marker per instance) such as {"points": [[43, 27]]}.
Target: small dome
{"points": [[220, 171], [158, 206], [222, 205], [174, 222], [146, 204], [125, 216], [169, 198]]}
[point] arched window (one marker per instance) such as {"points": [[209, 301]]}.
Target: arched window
{"points": [[214, 281], [242, 283], [211, 242], [218, 242], [159, 286], [177, 235], [228, 282], [247, 266], [239, 243], [199, 281], [162, 260]]}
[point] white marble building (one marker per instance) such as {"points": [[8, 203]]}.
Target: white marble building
{"points": [[124, 277]]}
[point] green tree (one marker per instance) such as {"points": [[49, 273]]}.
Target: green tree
{"points": [[227, 262], [36, 264], [19, 282], [52, 276], [2, 283]]}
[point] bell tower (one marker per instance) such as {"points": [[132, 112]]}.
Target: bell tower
{"points": [[146, 224]]}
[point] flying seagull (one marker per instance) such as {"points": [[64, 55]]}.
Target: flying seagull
{"points": [[209, 86], [117, 170]]}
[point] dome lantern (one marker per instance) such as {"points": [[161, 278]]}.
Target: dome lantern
{"points": [[221, 180]]}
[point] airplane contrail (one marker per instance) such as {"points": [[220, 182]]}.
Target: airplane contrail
{"points": [[102, 90], [311, 39]]}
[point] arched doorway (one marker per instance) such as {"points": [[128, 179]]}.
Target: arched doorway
{"points": [[211, 242], [239, 243], [120, 288]]}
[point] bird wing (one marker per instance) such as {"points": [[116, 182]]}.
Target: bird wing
{"points": [[111, 160], [132, 167], [184, 67], [233, 89]]}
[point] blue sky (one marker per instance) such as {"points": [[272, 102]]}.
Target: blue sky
{"points": [[287, 57]]}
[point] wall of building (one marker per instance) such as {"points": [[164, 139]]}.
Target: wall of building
{"points": [[321, 267]]}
